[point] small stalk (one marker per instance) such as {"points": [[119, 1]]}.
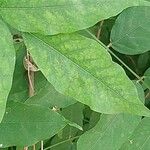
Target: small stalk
{"points": [[25, 148], [28, 66], [34, 147], [30, 75], [42, 145], [100, 29], [147, 96]]}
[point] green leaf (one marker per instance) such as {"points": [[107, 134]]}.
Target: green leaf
{"points": [[85, 72], [25, 125], [73, 113], [140, 139], [94, 118], [131, 32], [143, 61], [19, 89], [109, 133], [140, 90], [47, 96], [7, 64], [52, 17]]}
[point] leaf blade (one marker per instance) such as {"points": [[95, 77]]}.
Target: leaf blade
{"points": [[84, 72], [140, 138], [110, 132], [7, 61], [61, 16], [130, 35], [24, 125]]}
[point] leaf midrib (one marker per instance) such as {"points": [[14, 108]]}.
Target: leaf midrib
{"points": [[99, 80]]}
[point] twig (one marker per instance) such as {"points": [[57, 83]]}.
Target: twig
{"points": [[34, 147], [42, 145], [100, 29], [30, 76], [25, 148], [31, 81], [109, 45], [147, 95]]}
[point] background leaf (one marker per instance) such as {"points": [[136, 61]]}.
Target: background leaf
{"points": [[7, 64], [19, 89], [140, 139], [143, 62], [73, 113], [27, 124], [52, 17], [110, 132], [131, 33]]}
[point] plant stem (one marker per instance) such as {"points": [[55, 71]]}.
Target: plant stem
{"points": [[31, 80], [31, 85], [147, 95], [42, 144], [25, 148], [34, 148], [30, 76], [70, 139], [100, 29]]}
